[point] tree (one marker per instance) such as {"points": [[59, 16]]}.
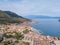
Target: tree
{"points": [[26, 31], [19, 36], [1, 38]]}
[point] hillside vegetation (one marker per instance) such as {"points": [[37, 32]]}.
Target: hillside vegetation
{"points": [[11, 17]]}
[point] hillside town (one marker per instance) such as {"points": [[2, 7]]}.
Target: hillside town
{"points": [[22, 34]]}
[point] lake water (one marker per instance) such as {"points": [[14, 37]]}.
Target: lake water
{"points": [[48, 26]]}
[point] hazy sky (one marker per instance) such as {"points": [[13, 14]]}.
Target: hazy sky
{"points": [[32, 7]]}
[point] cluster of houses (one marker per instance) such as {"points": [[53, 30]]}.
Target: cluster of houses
{"points": [[31, 37]]}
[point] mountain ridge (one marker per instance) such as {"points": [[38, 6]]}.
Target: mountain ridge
{"points": [[11, 17], [40, 16]]}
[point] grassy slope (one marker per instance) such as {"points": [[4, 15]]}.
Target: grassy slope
{"points": [[6, 18]]}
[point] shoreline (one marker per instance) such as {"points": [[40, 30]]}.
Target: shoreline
{"points": [[40, 33], [43, 33], [32, 36]]}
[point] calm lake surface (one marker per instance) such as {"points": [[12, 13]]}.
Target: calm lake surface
{"points": [[48, 26]]}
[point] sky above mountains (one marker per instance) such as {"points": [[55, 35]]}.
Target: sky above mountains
{"points": [[32, 7]]}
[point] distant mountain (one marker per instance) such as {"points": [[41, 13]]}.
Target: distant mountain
{"points": [[36, 16], [11, 17], [40, 16]]}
